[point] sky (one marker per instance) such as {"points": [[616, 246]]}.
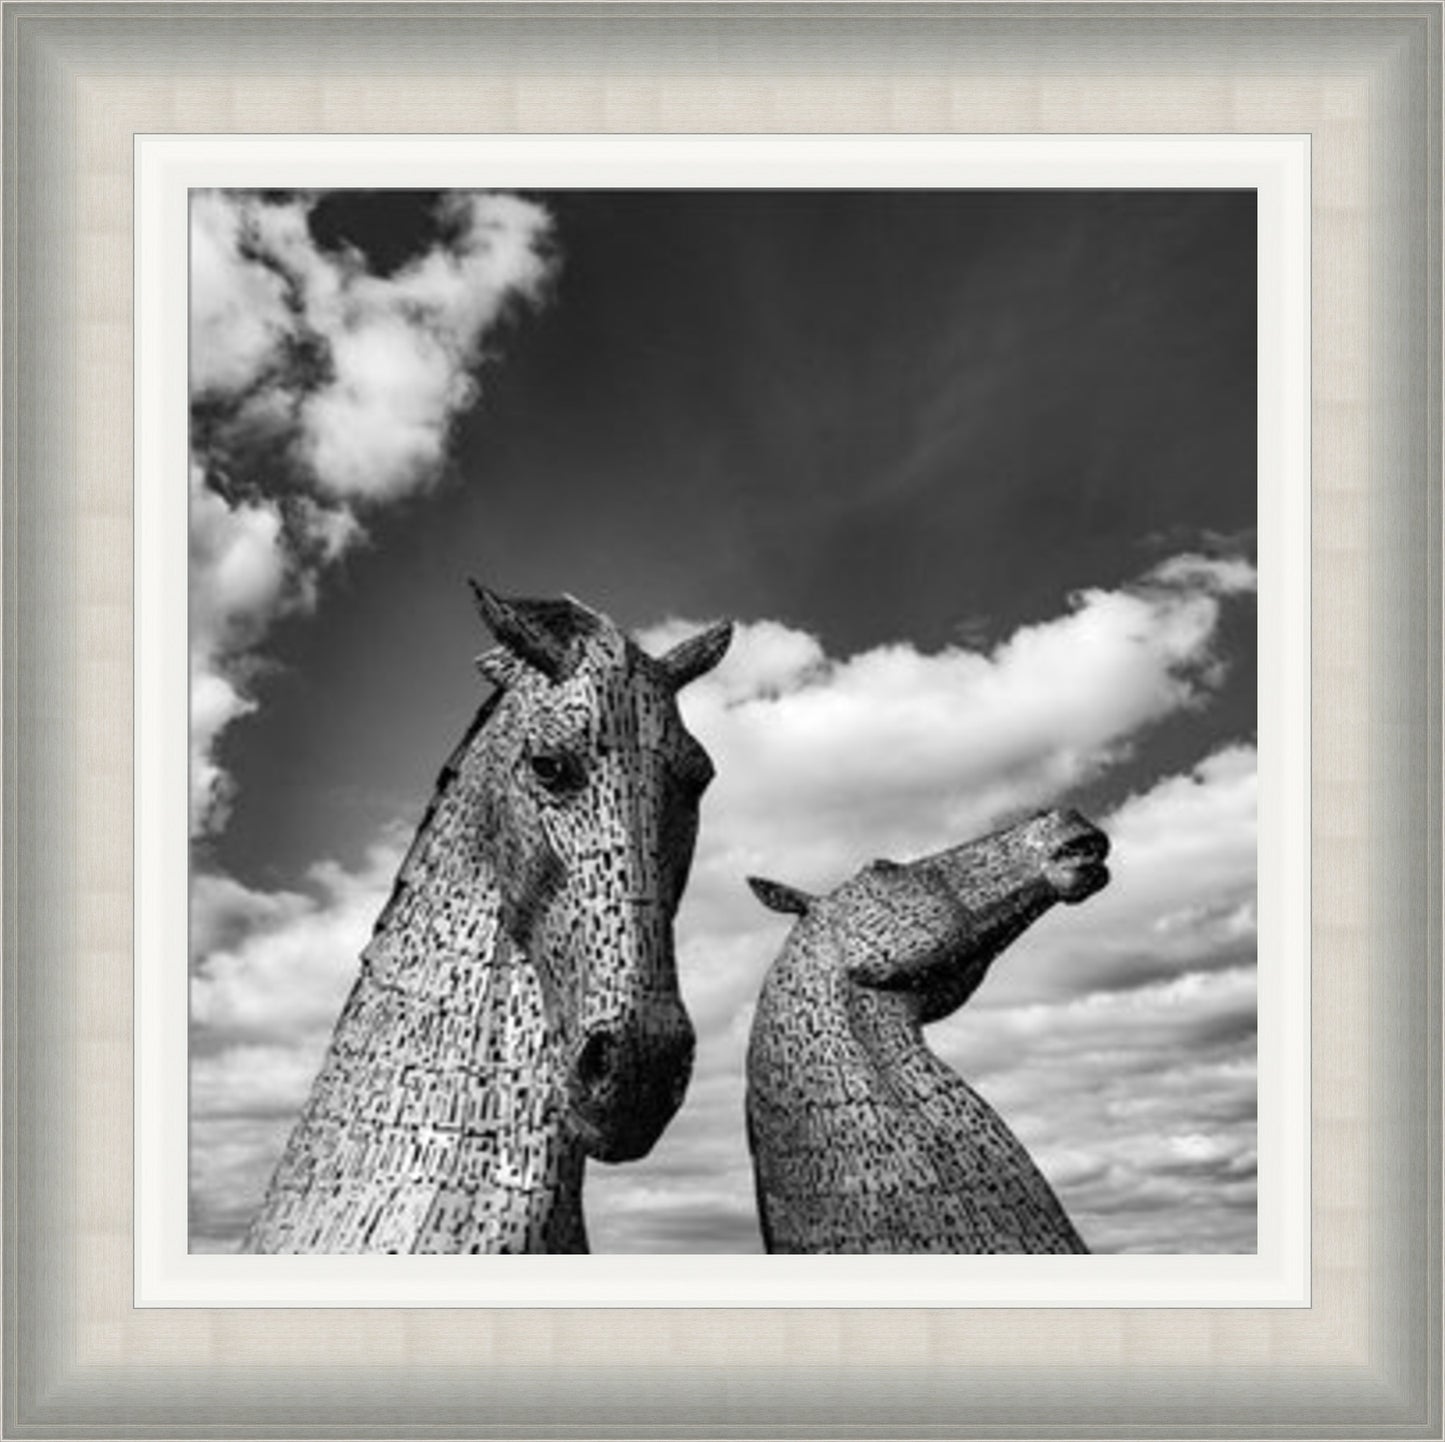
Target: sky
{"points": [[974, 472]]}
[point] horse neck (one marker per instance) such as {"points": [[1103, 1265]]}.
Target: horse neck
{"points": [[482, 1034], [809, 1000], [437, 1122], [510, 1177], [842, 1071], [804, 1032]]}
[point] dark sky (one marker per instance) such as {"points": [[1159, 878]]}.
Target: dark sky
{"points": [[874, 415]]}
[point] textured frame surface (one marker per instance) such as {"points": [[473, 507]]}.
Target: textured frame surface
{"points": [[1363, 80]]}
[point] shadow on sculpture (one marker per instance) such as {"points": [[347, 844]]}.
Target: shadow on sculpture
{"points": [[517, 1009], [862, 1139]]}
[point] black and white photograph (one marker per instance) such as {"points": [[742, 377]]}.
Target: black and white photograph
{"points": [[723, 721]]}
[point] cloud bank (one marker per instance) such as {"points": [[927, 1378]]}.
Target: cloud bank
{"points": [[319, 391], [1116, 1038]]}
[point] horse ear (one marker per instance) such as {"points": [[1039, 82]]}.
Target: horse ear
{"points": [[521, 633], [777, 897], [697, 655]]}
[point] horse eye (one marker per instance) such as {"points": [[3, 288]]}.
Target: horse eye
{"points": [[557, 774]]}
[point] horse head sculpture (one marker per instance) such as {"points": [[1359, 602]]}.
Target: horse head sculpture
{"points": [[862, 1139], [517, 1009], [589, 792]]}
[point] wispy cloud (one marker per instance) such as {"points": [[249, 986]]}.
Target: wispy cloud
{"points": [[824, 763], [269, 973], [1117, 1037], [319, 391], [1139, 1103]]}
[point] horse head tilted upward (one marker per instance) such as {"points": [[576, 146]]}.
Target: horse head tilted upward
{"points": [[862, 1140], [517, 1009]]}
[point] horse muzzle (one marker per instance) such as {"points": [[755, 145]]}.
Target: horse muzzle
{"points": [[1075, 863], [626, 1084]]}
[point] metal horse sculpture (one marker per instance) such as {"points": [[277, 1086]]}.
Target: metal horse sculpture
{"points": [[517, 1009], [862, 1140]]}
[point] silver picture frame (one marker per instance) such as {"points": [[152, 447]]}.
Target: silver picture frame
{"points": [[81, 80]]}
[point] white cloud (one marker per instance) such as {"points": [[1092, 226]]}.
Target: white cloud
{"points": [[273, 967], [318, 390], [239, 313], [823, 764], [402, 348], [1140, 1104], [1117, 1036], [1227, 575], [269, 973]]}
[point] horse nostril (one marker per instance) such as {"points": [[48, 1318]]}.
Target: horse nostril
{"points": [[596, 1060], [1087, 845]]}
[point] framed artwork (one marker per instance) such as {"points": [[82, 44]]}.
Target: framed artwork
{"points": [[1120, 268], [1059, 439]]}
